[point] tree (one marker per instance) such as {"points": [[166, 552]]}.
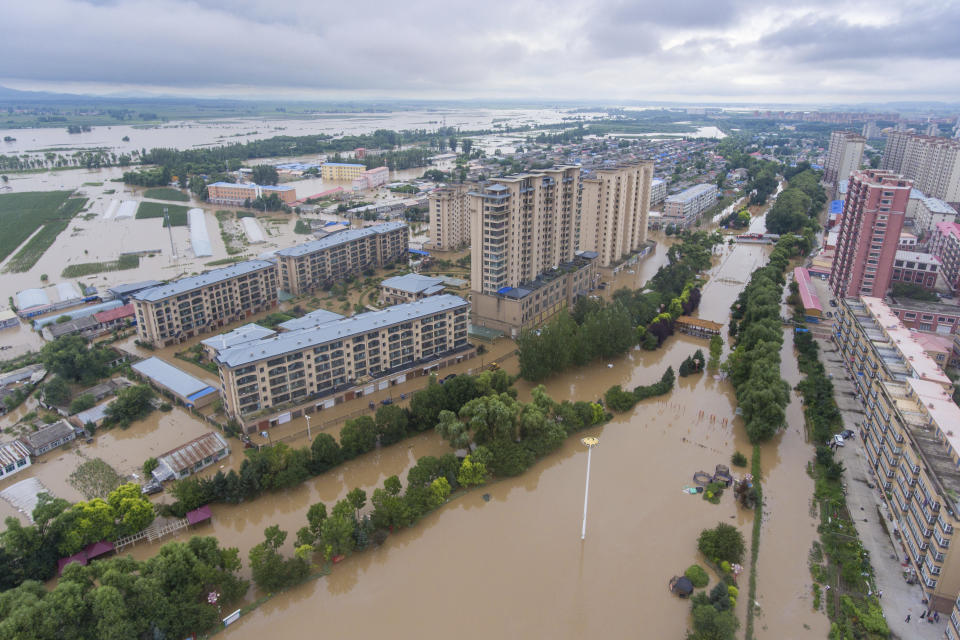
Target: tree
{"points": [[149, 465], [466, 145], [722, 543], [56, 391], [131, 507], [269, 568], [391, 424], [131, 403], [324, 453], [71, 358], [336, 535], [82, 402], [471, 473], [357, 499], [358, 436], [453, 430], [439, 491], [711, 624], [265, 174]]}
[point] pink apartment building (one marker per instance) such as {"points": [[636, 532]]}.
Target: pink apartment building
{"points": [[945, 244], [869, 233]]}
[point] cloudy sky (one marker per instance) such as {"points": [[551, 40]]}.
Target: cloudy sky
{"points": [[685, 50]]}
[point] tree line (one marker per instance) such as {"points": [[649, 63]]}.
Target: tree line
{"points": [[798, 206], [595, 329]]}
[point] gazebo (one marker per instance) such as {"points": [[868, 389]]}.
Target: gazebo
{"points": [[681, 586]]}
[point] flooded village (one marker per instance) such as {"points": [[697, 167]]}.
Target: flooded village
{"points": [[254, 330]]}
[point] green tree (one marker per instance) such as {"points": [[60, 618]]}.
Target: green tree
{"points": [[357, 498], [71, 358], [336, 535], [722, 543], [133, 509], [82, 402], [391, 423], [324, 453], [131, 404], [56, 391], [471, 473], [270, 570], [265, 174], [439, 491], [358, 436]]}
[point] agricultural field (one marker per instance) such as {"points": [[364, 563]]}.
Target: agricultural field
{"points": [[166, 193], [89, 268], [178, 213], [19, 221]]}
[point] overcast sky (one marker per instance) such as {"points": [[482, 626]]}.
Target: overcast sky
{"points": [[684, 50]]}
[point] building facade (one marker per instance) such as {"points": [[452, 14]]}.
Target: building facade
{"points": [[310, 265], [239, 194], [912, 267], [341, 171], [614, 206], [409, 288], [682, 208], [14, 457], [932, 163], [909, 441], [178, 310], [522, 226], [869, 233], [449, 218], [938, 317], [945, 244], [372, 178], [312, 363], [658, 191], [844, 156], [925, 213]]}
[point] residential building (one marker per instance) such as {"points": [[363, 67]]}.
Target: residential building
{"points": [[869, 233], [191, 457], [449, 218], [916, 268], [341, 171], [86, 326], [372, 178], [123, 292], [937, 347], [409, 288], [925, 213], [908, 436], [844, 156], [8, 319], [240, 193], [908, 242], [49, 438], [115, 318], [316, 362], [312, 264], [614, 205], [939, 317], [522, 226], [932, 163], [14, 457], [181, 309], [315, 318], [871, 131], [175, 383], [682, 209], [658, 191], [240, 335], [945, 244]]}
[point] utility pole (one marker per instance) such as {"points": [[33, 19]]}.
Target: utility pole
{"points": [[590, 442], [166, 221]]}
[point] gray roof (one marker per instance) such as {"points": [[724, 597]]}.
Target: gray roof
{"points": [[312, 319], [32, 298], [72, 326], [413, 283], [184, 285], [125, 289], [692, 192], [935, 205], [167, 375], [246, 333], [94, 414], [46, 435], [362, 323], [339, 238], [189, 454]]}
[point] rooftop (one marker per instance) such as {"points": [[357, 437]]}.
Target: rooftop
{"points": [[126, 311], [189, 454], [246, 333], [911, 304], [949, 228], [11, 452], [692, 192], [362, 323], [414, 283], [808, 296], [169, 376], [48, 434], [184, 285], [916, 256], [312, 319], [936, 205], [339, 238], [343, 164], [72, 326], [912, 353], [124, 289]]}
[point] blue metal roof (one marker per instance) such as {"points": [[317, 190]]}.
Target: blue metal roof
{"points": [[836, 206], [418, 252], [199, 394], [504, 290]]}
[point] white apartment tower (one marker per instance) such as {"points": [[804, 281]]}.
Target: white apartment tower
{"points": [[844, 156], [614, 205], [932, 163]]}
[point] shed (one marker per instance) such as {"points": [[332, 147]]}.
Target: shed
{"points": [[681, 586], [198, 515], [191, 457], [86, 325], [8, 319], [809, 298], [14, 457], [187, 389], [79, 557], [97, 549]]}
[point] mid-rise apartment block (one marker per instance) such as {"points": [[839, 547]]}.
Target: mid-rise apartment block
{"points": [[937, 317], [241, 193], [925, 213], [844, 156], [682, 209], [910, 441], [658, 191], [341, 171], [913, 267], [869, 234], [372, 178], [409, 288], [449, 218], [176, 311], [317, 263], [945, 244], [932, 163], [319, 362], [614, 205]]}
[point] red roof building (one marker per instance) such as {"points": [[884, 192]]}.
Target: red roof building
{"points": [[114, 317]]}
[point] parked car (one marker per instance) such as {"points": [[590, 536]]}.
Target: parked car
{"points": [[833, 303], [836, 441], [151, 488], [386, 401], [848, 433]]}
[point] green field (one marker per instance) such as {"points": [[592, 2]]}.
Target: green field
{"points": [[89, 268], [32, 251], [22, 213], [166, 193], [178, 213]]}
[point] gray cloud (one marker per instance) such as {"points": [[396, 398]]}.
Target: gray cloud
{"points": [[694, 49]]}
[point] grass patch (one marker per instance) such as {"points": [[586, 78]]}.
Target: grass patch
{"points": [[92, 184], [34, 249], [89, 268], [178, 213], [223, 261], [109, 191], [166, 193], [22, 213]]}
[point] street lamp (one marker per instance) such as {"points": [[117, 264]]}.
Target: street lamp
{"points": [[309, 436], [590, 442]]}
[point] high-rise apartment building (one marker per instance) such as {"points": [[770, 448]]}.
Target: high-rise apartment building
{"points": [[449, 218], [932, 163], [306, 266], [869, 233], [614, 205], [844, 156], [945, 244], [173, 312]]}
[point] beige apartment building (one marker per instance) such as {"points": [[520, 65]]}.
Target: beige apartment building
{"points": [[449, 218], [342, 171], [176, 311], [409, 288], [910, 441], [682, 209], [360, 354], [310, 265], [844, 156], [614, 206], [932, 163], [239, 194]]}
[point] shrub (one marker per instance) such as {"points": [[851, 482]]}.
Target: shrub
{"points": [[697, 575], [166, 406], [738, 459], [723, 542]]}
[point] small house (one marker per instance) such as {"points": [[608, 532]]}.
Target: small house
{"points": [[191, 457], [14, 457], [50, 437]]}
